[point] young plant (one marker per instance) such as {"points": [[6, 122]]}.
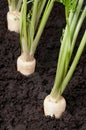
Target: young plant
{"points": [[13, 15], [55, 104], [32, 24]]}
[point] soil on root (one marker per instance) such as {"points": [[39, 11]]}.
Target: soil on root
{"points": [[21, 98]]}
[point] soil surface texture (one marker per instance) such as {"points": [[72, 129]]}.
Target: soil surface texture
{"points": [[21, 98]]}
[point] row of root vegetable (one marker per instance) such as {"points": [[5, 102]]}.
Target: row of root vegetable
{"points": [[29, 18]]}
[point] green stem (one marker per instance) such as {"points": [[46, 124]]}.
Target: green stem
{"points": [[41, 27], [79, 24], [19, 5], [23, 30], [64, 40], [60, 73], [76, 15], [74, 64], [56, 93], [33, 19], [76, 32], [63, 61], [72, 22], [81, 19], [12, 5], [40, 10]]}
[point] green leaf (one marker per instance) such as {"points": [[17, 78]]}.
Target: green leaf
{"points": [[70, 5]]}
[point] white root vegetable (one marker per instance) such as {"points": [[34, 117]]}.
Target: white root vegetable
{"points": [[53, 107], [13, 21], [26, 67]]}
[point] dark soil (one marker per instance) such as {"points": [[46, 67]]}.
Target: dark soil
{"points": [[21, 98]]}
